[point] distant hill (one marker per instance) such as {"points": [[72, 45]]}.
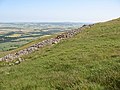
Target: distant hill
{"points": [[88, 61]]}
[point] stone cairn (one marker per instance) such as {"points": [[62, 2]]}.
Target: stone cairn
{"points": [[57, 39]]}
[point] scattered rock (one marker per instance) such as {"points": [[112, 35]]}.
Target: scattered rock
{"points": [[17, 62], [11, 64]]}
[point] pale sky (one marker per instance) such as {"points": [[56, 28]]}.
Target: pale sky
{"points": [[58, 10]]}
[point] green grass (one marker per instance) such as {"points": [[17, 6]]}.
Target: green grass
{"points": [[88, 61], [8, 45]]}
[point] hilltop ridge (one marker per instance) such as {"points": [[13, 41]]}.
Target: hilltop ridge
{"points": [[88, 61]]}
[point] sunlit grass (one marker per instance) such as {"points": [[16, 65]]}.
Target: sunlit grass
{"points": [[88, 61], [14, 35]]}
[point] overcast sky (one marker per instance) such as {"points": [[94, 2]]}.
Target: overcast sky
{"points": [[58, 10]]}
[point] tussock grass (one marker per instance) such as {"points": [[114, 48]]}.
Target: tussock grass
{"points": [[88, 61]]}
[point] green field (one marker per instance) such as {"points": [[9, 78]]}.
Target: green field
{"points": [[88, 61], [11, 45], [6, 48]]}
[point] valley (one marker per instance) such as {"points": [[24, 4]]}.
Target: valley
{"points": [[14, 35]]}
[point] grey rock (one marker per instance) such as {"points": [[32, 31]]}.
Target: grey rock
{"points": [[17, 62]]}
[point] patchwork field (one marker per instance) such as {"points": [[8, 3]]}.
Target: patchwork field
{"points": [[14, 35]]}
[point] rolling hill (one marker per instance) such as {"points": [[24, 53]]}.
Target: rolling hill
{"points": [[88, 61]]}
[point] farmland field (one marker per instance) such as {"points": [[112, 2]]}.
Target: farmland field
{"points": [[14, 35]]}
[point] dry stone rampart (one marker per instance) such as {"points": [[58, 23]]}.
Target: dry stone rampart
{"points": [[34, 47]]}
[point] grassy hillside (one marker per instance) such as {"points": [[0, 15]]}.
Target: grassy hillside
{"points": [[3, 53], [88, 61]]}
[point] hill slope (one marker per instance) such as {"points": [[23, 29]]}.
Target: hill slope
{"points": [[88, 61]]}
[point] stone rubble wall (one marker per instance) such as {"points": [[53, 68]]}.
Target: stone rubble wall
{"points": [[34, 47]]}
